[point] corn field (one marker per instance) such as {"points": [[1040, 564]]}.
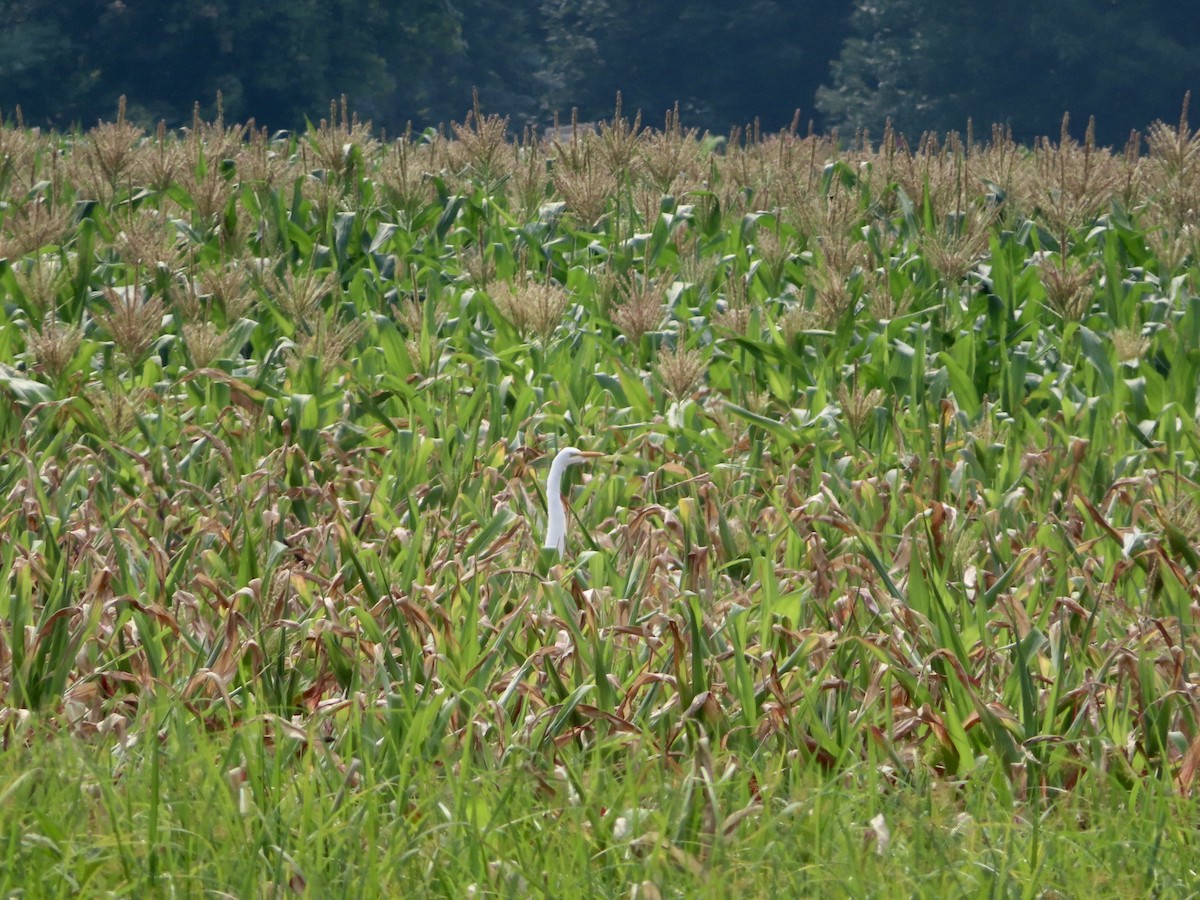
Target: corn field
{"points": [[900, 496]]}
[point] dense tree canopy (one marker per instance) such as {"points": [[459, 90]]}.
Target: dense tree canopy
{"points": [[724, 64], [932, 64], [275, 61], [850, 64]]}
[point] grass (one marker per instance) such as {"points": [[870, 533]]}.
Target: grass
{"points": [[289, 815], [885, 587]]}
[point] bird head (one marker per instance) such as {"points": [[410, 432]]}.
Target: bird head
{"points": [[573, 456]]}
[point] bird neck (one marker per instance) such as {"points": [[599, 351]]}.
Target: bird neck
{"points": [[556, 525], [556, 530]]}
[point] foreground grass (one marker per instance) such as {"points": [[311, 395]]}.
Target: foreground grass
{"points": [[238, 814], [888, 582]]}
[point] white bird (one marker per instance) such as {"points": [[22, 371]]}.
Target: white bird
{"points": [[556, 529]]}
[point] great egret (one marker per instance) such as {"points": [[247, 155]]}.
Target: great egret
{"points": [[556, 529]]}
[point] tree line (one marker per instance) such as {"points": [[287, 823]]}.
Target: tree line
{"points": [[846, 64]]}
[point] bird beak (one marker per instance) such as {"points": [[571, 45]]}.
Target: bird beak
{"points": [[590, 454]]}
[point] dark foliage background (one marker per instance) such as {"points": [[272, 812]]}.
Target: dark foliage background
{"points": [[849, 64]]}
